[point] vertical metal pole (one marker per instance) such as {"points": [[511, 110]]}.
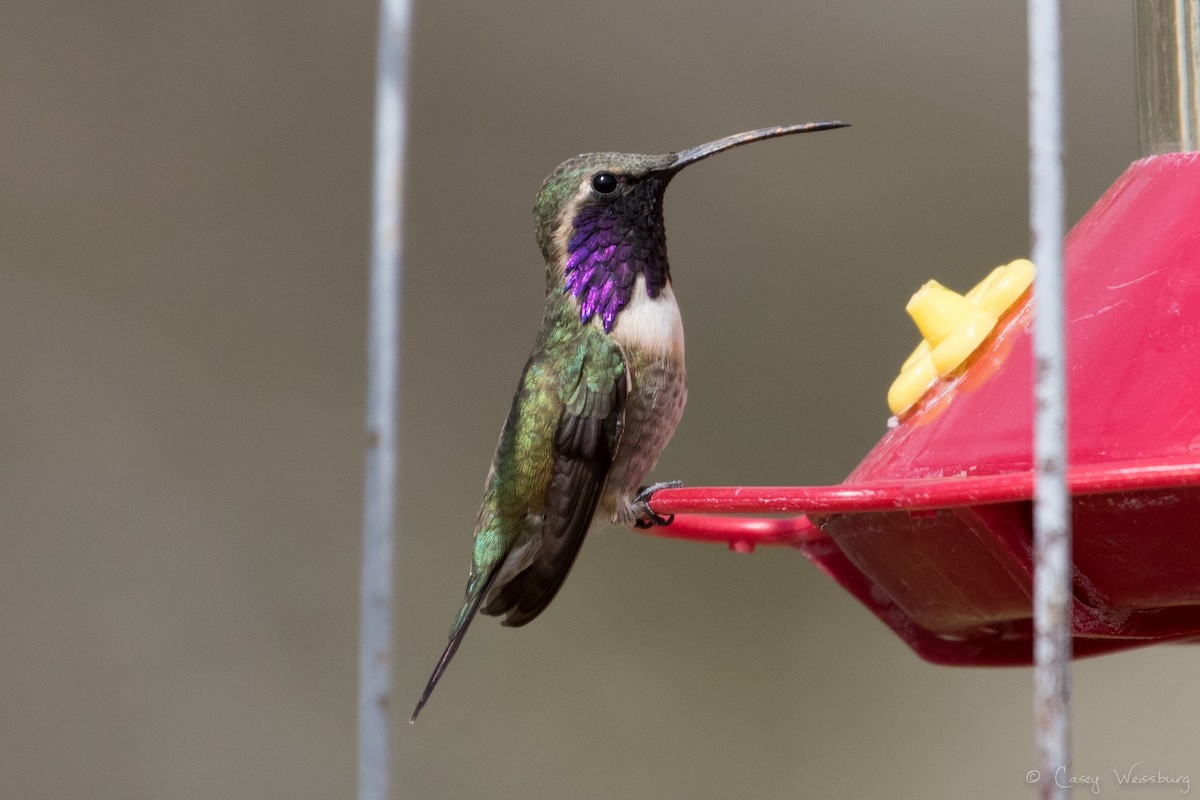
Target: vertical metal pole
{"points": [[1168, 61], [1051, 517], [383, 364]]}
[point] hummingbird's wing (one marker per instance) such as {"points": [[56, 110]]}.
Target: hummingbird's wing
{"points": [[590, 390], [585, 440]]}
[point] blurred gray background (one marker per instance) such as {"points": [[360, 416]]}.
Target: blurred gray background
{"points": [[183, 254]]}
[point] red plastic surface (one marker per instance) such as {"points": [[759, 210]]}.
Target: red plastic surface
{"points": [[932, 530]]}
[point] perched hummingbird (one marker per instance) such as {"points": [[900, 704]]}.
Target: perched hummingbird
{"points": [[603, 389]]}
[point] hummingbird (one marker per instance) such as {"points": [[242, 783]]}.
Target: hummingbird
{"points": [[602, 391]]}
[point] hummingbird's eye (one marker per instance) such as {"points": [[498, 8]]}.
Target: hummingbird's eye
{"points": [[604, 183]]}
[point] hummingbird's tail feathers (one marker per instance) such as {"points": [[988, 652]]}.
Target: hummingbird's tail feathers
{"points": [[456, 636], [527, 593]]}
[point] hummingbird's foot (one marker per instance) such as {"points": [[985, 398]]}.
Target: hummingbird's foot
{"points": [[646, 518]]}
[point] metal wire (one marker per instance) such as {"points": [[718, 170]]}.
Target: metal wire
{"points": [[383, 362], [1168, 60], [1051, 516]]}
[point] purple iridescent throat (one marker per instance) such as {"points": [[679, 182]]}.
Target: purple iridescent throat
{"points": [[612, 244]]}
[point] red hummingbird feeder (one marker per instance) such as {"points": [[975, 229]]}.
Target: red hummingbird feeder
{"points": [[933, 530]]}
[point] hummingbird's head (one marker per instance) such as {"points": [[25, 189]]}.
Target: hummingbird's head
{"points": [[600, 222]]}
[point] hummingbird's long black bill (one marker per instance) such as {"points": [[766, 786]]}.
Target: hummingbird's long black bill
{"points": [[694, 154]]}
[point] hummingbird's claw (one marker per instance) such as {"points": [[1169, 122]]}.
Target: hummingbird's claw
{"points": [[646, 518]]}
